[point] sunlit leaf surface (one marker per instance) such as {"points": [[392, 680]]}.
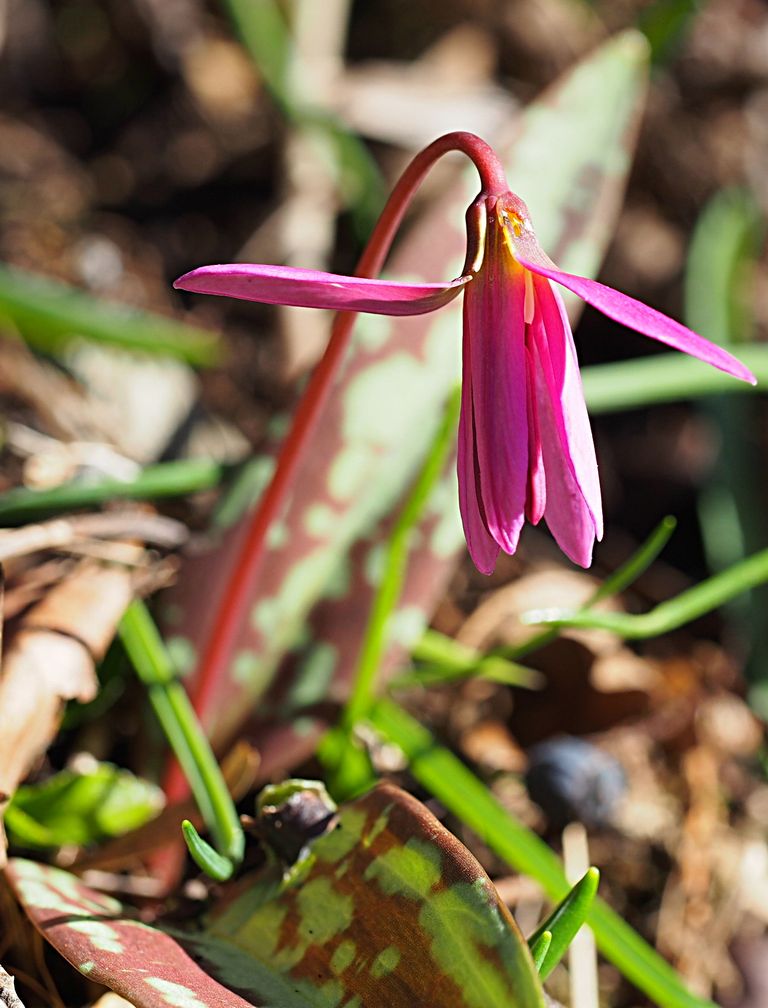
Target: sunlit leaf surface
{"points": [[394, 912]]}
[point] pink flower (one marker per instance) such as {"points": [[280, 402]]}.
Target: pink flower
{"points": [[525, 444]]}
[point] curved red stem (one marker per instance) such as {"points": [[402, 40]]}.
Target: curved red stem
{"points": [[239, 591]]}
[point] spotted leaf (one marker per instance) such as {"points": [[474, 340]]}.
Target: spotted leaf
{"points": [[93, 931], [393, 912]]}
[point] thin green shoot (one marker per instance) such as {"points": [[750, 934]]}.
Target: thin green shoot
{"points": [[564, 922], [153, 664], [618, 581], [395, 560], [207, 859], [347, 767], [667, 616], [165, 479], [441, 659], [539, 949]]}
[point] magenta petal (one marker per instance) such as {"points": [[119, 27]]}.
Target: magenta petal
{"points": [[483, 549], [555, 349], [638, 316], [536, 498], [495, 332], [573, 509], [312, 289]]}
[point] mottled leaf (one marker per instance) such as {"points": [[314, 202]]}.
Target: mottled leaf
{"points": [[392, 912], [378, 426], [100, 938]]}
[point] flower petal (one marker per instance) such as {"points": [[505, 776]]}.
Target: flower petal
{"points": [[536, 497], [494, 328], [638, 316], [573, 509], [483, 548], [553, 342], [313, 289]]}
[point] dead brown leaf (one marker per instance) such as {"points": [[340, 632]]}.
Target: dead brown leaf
{"points": [[50, 659]]}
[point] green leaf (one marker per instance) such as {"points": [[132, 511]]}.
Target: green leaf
{"points": [[208, 860], [49, 314], [457, 788], [539, 948], [81, 808], [720, 293], [563, 924], [664, 23], [726, 240], [267, 39], [662, 378]]}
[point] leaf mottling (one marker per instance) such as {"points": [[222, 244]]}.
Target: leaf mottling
{"points": [[411, 871], [385, 962], [176, 994], [100, 935]]}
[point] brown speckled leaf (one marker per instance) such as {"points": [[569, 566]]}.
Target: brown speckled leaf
{"points": [[92, 931], [394, 912]]}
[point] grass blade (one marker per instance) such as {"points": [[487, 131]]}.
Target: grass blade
{"points": [[661, 378], [166, 479], [670, 615], [48, 314], [154, 667]]}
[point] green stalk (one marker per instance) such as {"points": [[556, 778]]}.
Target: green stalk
{"points": [[171, 704], [166, 479], [617, 582], [670, 615]]}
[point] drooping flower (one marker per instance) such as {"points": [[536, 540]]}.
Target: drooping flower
{"points": [[525, 445]]}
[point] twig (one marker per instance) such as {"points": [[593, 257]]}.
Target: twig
{"points": [[8, 995], [63, 533], [51, 660]]}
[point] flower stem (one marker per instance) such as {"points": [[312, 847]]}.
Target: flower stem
{"points": [[239, 591]]}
